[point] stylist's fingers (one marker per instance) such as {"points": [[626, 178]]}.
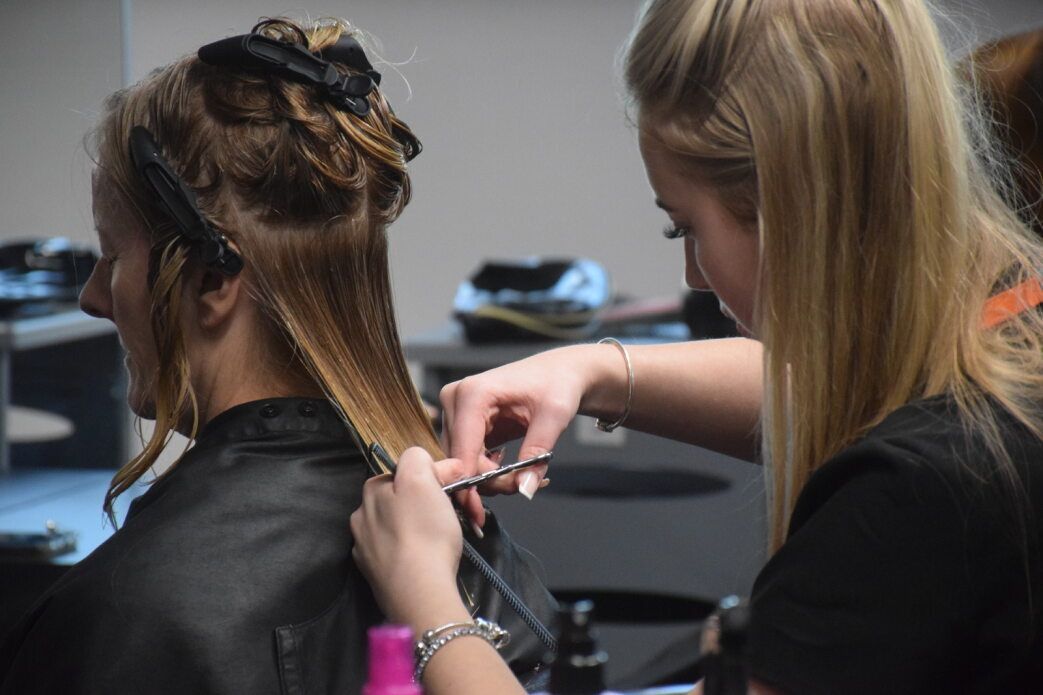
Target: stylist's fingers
{"points": [[420, 479], [417, 484], [467, 500], [366, 521], [468, 411], [447, 398], [543, 433], [531, 480], [468, 415], [407, 534], [470, 502], [451, 470], [416, 472], [373, 489], [448, 471]]}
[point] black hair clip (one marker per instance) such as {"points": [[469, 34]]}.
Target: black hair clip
{"points": [[295, 62], [348, 51], [180, 202]]}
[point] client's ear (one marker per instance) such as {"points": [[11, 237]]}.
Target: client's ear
{"points": [[216, 297]]}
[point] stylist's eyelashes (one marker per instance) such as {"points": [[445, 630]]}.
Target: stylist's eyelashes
{"points": [[675, 231]]}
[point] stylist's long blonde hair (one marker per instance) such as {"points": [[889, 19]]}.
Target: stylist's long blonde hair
{"points": [[836, 129], [306, 190]]}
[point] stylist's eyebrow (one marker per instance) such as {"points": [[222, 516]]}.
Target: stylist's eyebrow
{"points": [[663, 206]]}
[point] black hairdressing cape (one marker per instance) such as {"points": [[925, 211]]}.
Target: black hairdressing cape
{"points": [[233, 574]]}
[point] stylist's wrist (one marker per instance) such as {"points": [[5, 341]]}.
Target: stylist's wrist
{"points": [[605, 381], [432, 606], [423, 576]]}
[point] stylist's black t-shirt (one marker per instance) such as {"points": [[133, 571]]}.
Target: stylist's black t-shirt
{"points": [[909, 567]]}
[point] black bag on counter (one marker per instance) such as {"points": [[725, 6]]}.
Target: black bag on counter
{"points": [[533, 299]]}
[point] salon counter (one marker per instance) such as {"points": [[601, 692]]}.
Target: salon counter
{"points": [[69, 365]]}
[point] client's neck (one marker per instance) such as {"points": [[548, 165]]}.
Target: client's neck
{"points": [[243, 378], [236, 362]]}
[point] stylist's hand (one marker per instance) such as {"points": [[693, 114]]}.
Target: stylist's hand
{"points": [[408, 540], [535, 398]]}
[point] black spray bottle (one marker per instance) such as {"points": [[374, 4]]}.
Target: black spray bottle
{"points": [[579, 667], [725, 660]]}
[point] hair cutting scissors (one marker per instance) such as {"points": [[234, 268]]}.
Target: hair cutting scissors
{"points": [[378, 451]]}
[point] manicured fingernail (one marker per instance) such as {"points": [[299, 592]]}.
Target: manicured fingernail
{"points": [[529, 484], [477, 530], [544, 483]]}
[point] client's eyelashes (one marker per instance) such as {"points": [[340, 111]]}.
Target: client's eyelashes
{"points": [[676, 231]]}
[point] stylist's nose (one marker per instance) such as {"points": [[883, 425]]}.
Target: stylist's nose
{"points": [[693, 276]]}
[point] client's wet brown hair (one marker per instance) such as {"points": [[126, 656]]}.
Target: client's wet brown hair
{"points": [[305, 190]]}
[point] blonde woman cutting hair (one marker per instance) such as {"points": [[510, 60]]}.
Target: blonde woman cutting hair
{"points": [[242, 197], [831, 183]]}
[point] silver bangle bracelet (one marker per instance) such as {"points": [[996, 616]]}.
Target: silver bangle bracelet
{"points": [[433, 640], [609, 426]]}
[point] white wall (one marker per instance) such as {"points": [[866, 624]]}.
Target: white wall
{"points": [[526, 146]]}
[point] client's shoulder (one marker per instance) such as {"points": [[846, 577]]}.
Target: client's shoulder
{"points": [[276, 454], [252, 520]]}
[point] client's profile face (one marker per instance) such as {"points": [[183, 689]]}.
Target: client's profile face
{"points": [[117, 290]]}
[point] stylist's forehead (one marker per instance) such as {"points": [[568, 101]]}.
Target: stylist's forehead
{"points": [[660, 166]]}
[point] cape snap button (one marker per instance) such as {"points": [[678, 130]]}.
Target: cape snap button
{"points": [[269, 410], [307, 409]]}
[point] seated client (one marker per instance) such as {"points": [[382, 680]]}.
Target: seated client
{"points": [[242, 198]]}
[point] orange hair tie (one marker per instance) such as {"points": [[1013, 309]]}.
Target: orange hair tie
{"points": [[1012, 302]]}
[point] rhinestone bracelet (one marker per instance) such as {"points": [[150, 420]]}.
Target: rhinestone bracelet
{"points": [[433, 640]]}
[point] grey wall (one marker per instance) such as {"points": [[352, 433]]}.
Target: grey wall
{"points": [[526, 150], [526, 146], [58, 60], [966, 23]]}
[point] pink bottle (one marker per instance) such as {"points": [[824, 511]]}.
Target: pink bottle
{"points": [[391, 662]]}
